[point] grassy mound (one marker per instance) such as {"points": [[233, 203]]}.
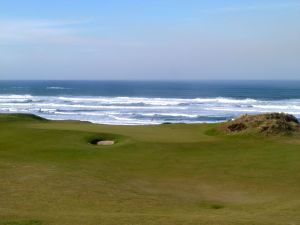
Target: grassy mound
{"points": [[270, 123], [20, 117]]}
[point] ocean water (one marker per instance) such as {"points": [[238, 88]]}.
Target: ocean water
{"points": [[148, 102]]}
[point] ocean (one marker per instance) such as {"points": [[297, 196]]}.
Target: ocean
{"points": [[148, 102]]}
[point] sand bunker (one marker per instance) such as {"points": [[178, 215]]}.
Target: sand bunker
{"points": [[105, 142], [98, 141]]}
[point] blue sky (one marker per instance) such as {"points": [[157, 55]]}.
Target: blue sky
{"points": [[157, 39]]}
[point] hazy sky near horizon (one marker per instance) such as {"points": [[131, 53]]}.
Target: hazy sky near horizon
{"points": [[157, 39]]}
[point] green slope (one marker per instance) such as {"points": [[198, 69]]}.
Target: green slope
{"points": [[154, 175]]}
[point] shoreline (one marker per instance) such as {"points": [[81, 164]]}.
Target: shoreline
{"points": [[89, 122]]}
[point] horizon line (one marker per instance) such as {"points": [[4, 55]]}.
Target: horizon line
{"points": [[149, 80]]}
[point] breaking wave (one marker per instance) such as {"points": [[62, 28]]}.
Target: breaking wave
{"points": [[141, 110]]}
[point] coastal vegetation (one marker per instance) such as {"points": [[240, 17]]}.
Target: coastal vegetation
{"points": [[243, 172], [269, 124]]}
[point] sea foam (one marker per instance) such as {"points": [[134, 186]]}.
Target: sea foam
{"points": [[142, 110]]}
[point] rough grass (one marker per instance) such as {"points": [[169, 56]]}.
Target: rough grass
{"points": [[270, 124], [155, 175]]}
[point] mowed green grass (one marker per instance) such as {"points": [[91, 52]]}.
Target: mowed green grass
{"points": [[154, 175]]}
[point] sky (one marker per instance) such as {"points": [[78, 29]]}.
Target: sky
{"points": [[149, 39]]}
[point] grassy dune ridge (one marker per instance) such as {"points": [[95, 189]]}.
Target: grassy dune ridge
{"points": [[176, 174]]}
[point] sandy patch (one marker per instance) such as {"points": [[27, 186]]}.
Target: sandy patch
{"points": [[106, 142]]}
